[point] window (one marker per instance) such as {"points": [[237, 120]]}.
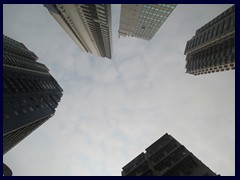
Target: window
{"points": [[24, 111], [222, 27], [25, 101], [212, 32], [16, 113], [7, 116], [217, 30]]}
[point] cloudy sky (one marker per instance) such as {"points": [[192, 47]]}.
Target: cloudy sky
{"points": [[111, 110]]}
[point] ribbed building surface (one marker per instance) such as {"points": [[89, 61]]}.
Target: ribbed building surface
{"points": [[89, 26], [30, 93], [212, 49], [166, 157], [143, 20]]}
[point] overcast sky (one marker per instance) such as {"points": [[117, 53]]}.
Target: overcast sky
{"points": [[112, 110]]}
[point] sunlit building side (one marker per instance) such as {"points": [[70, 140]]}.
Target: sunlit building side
{"points": [[89, 26], [143, 20]]}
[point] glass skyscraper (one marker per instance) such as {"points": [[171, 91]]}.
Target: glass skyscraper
{"points": [[143, 20], [30, 93]]}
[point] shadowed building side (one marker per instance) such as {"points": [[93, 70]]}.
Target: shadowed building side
{"points": [[212, 49], [166, 157], [30, 93], [6, 170]]}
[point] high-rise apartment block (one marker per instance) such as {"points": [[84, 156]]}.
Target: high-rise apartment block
{"points": [[89, 26], [166, 157], [143, 20], [6, 170], [212, 49], [30, 93]]}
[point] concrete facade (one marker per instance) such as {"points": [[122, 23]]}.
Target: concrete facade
{"points": [[212, 49], [143, 20], [89, 26], [166, 157]]}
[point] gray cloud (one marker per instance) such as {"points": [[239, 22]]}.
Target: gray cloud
{"points": [[112, 110]]}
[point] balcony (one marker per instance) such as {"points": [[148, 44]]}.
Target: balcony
{"points": [[159, 144], [172, 160], [134, 163]]}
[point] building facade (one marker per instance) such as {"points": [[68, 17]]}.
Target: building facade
{"points": [[143, 20], [30, 93], [212, 49], [89, 26], [6, 170], [166, 157]]}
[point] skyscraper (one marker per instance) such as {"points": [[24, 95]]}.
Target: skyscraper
{"points": [[212, 49], [143, 20], [89, 26], [166, 157], [30, 93], [6, 170]]}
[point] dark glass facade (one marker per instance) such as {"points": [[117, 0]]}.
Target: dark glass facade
{"points": [[166, 157], [212, 49], [30, 93], [6, 170]]}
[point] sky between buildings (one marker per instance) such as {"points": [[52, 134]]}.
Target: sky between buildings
{"points": [[112, 110]]}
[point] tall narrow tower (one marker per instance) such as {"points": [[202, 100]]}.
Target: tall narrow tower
{"points": [[30, 93], [166, 157], [212, 49], [89, 25], [143, 20]]}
